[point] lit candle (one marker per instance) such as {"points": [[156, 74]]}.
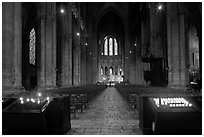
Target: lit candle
{"points": [[22, 101], [32, 100], [39, 94], [28, 99]]}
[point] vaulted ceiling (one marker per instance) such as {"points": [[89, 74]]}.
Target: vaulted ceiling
{"points": [[112, 24]]}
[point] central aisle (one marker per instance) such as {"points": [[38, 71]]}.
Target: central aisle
{"points": [[108, 114]]}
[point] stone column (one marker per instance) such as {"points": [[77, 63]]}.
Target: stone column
{"points": [[183, 52], [67, 47], [157, 30], [77, 57], [176, 46], [48, 46], [54, 45], [17, 46], [83, 59], [11, 47], [173, 39], [7, 45], [145, 42], [126, 66], [169, 47], [41, 71]]}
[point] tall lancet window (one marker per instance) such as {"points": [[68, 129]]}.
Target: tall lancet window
{"points": [[101, 70], [115, 47], [32, 46], [111, 46], [106, 47]]}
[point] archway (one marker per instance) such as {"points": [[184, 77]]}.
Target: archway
{"points": [[29, 46], [111, 42]]}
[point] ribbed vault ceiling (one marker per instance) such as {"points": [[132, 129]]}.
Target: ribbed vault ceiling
{"points": [[111, 23]]}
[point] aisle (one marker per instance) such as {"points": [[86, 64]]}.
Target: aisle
{"points": [[108, 114]]}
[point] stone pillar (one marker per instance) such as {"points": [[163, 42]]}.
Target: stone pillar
{"points": [[67, 48], [41, 71], [48, 47], [176, 46], [126, 69], [17, 46], [139, 67], [145, 42], [183, 45], [83, 58], [173, 45], [77, 56], [95, 65], [11, 47], [7, 45], [157, 30]]}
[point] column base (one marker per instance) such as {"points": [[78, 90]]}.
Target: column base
{"points": [[12, 91], [178, 87], [65, 86], [46, 87]]}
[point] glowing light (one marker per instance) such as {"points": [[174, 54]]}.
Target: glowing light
{"points": [[90, 53], [48, 98], [22, 101], [172, 102], [130, 52], [153, 126], [32, 100], [62, 10], [78, 33], [39, 94], [135, 44], [160, 7], [21, 98], [28, 99], [86, 44], [38, 101]]}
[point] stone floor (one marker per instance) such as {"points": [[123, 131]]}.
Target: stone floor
{"points": [[107, 114]]}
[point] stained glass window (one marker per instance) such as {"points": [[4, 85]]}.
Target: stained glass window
{"points": [[101, 70], [111, 46], [111, 71], [115, 47], [106, 47], [32, 46]]}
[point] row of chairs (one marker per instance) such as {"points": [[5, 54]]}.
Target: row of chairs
{"points": [[131, 93], [78, 102], [81, 96], [131, 96]]}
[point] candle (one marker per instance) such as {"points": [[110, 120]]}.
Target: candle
{"points": [[39, 94]]}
